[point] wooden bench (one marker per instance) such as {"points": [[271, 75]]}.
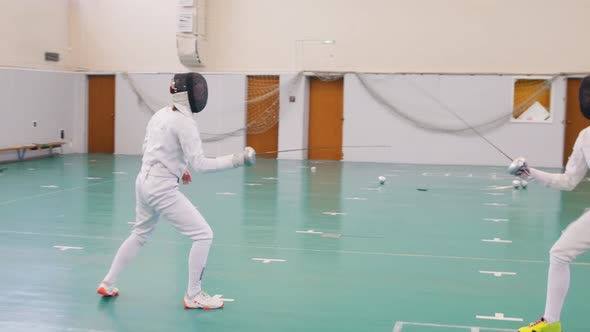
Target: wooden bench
{"points": [[22, 149]]}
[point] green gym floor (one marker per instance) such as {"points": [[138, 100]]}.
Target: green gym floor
{"points": [[295, 250]]}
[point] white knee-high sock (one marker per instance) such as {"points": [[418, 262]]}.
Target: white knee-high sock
{"points": [[558, 283], [197, 260], [125, 254]]}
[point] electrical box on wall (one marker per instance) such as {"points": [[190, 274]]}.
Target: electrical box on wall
{"points": [[190, 31], [52, 56]]}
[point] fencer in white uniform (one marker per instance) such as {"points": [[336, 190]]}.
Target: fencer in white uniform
{"points": [[172, 142], [575, 240]]}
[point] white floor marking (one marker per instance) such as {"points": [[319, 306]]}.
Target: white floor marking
{"points": [[464, 176], [74, 236], [64, 248], [332, 213], [220, 296], [356, 198], [495, 194], [131, 222], [56, 192], [496, 240], [332, 235], [349, 252], [399, 326], [119, 172], [93, 178], [271, 178], [288, 171], [253, 184], [268, 260], [495, 204], [497, 187], [495, 220], [498, 274], [226, 193], [436, 174], [50, 186], [371, 188], [309, 231], [499, 316], [30, 326]]}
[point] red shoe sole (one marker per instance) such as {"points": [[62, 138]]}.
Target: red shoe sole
{"points": [[102, 291]]}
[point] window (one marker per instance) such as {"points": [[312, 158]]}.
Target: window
{"points": [[532, 100]]}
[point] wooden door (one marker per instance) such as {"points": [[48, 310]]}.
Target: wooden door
{"points": [[101, 114], [575, 122], [263, 115], [326, 108]]}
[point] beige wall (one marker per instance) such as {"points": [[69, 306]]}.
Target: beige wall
{"points": [[524, 36], [29, 28], [127, 35], [404, 35]]}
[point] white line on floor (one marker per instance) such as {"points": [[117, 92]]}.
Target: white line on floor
{"points": [[498, 274], [499, 316], [351, 252]]}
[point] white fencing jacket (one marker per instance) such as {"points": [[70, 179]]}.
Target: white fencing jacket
{"points": [[172, 142]]}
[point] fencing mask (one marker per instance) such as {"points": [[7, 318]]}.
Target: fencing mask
{"points": [[584, 97], [194, 87]]}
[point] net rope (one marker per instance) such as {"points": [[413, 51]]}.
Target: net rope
{"points": [[263, 94]]}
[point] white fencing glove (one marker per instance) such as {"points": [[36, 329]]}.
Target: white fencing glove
{"points": [[519, 167], [248, 157]]}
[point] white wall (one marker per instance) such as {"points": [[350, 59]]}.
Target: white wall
{"points": [[59, 101], [372, 35], [474, 98], [293, 116], [56, 100], [225, 111], [29, 28]]}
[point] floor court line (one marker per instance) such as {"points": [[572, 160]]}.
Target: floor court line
{"points": [[57, 192], [398, 327], [45, 327], [350, 252]]}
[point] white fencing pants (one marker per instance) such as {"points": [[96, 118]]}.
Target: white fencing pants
{"points": [[574, 241], [159, 196]]}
